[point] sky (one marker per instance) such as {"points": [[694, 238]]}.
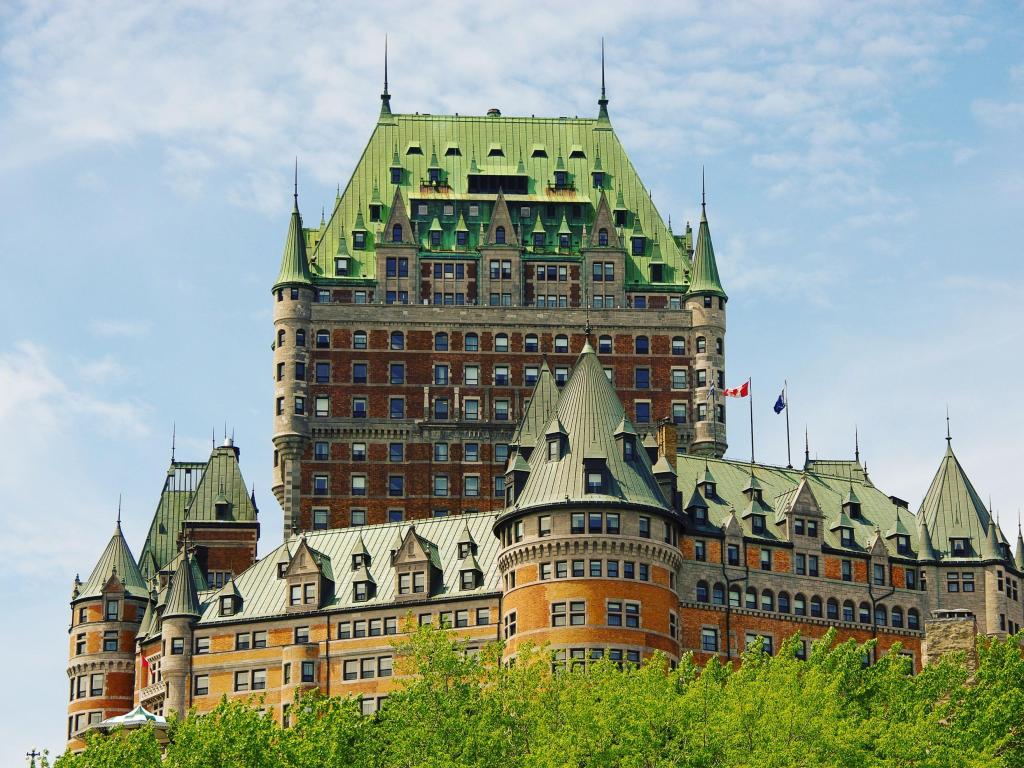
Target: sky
{"points": [[865, 186]]}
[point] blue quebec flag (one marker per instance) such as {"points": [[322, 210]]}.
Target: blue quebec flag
{"points": [[780, 404]]}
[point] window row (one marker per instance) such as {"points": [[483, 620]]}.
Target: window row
{"points": [[441, 452], [471, 342], [598, 569], [575, 657], [800, 605], [441, 486], [367, 668], [86, 686]]}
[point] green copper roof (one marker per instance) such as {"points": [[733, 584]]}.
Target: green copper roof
{"points": [[589, 412], [953, 509], [488, 145], [191, 492], [264, 595], [116, 560], [704, 274], [183, 597], [539, 410], [1018, 557], [294, 263]]}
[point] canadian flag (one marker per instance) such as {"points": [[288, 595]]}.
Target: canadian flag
{"points": [[741, 391]]}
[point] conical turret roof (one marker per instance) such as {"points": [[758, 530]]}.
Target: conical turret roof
{"points": [[925, 550], [1018, 557], [704, 272], [953, 509], [116, 560], [183, 598], [539, 411], [294, 263], [589, 412]]}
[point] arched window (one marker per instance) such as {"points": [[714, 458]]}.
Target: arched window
{"points": [[702, 345], [501, 342], [832, 608], [396, 233], [441, 342], [499, 235], [643, 345], [678, 345], [881, 616], [280, 338], [897, 617], [718, 594], [783, 602], [604, 345], [847, 610], [913, 619], [300, 337], [767, 600], [816, 607], [751, 598], [602, 237], [472, 342], [719, 347], [397, 340], [702, 591], [734, 596], [323, 339], [359, 340], [800, 604], [531, 344], [561, 343], [864, 614]]}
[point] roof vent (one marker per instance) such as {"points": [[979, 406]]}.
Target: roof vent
{"points": [[494, 112]]}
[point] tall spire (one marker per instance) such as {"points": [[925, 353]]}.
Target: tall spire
{"points": [[856, 444], [295, 188], [704, 277], [385, 97], [174, 438], [602, 103], [948, 437], [807, 448], [119, 511], [294, 264]]}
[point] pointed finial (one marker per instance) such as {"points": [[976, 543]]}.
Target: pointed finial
{"points": [[213, 437], [948, 438], [295, 189], [1018, 522], [856, 444], [602, 103], [603, 96], [323, 210], [670, 222], [174, 438], [703, 196], [386, 66], [119, 510], [807, 447]]}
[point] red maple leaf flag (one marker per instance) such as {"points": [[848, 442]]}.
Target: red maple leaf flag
{"points": [[741, 391]]}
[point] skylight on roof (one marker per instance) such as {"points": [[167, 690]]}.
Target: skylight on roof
{"points": [[452, 151], [576, 152], [538, 151], [495, 150], [414, 148]]}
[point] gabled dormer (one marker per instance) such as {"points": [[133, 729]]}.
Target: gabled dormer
{"points": [[706, 483], [398, 229], [697, 507], [597, 172], [556, 441], [851, 504], [516, 474], [395, 168], [638, 240], [843, 528], [602, 234], [360, 555], [308, 579], [229, 599], [359, 232], [417, 567], [466, 544], [752, 490], [562, 179], [376, 205], [470, 572], [363, 585], [435, 174], [899, 535], [626, 440], [221, 504], [595, 468], [564, 236], [501, 230]]}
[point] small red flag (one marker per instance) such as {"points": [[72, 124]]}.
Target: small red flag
{"points": [[741, 391]]}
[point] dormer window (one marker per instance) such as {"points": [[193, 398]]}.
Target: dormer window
{"points": [[639, 246], [465, 550], [435, 239], [360, 591], [282, 567], [757, 524], [598, 179], [467, 580], [227, 606], [563, 241], [628, 449], [434, 175], [620, 218], [903, 545], [561, 179], [396, 175], [359, 560], [595, 480], [341, 266], [538, 240], [657, 273], [554, 449], [359, 241], [602, 238], [499, 236], [461, 238], [852, 508], [375, 209], [958, 547], [846, 536]]}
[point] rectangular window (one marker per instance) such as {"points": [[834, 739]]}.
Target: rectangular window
{"points": [[878, 574], [812, 565], [202, 645], [202, 685], [177, 646], [243, 641], [709, 640], [259, 639], [241, 681], [259, 679], [351, 669], [308, 672], [111, 610], [733, 554], [847, 570], [642, 378], [766, 559], [800, 565], [577, 522]]}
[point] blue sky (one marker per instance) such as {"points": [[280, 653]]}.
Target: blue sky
{"points": [[865, 193]]}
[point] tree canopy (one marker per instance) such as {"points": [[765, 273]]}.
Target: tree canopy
{"points": [[469, 710]]}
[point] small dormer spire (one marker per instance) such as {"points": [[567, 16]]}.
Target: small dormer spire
{"points": [[703, 195], [602, 103], [295, 191], [948, 438], [856, 444], [385, 97], [119, 510], [807, 448]]}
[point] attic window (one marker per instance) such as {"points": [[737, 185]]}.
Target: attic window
{"points": [[628, 448], [467, 580], [434, 175], [958, 547], [846, 536], [452, 151], [281, 568], [903, 545], [561, 179], [554, 449], [539, 151], [757, 524], [598, 179], [657, 273], [414, 149], [495, 150], [375, 209], [465, 550], [639, 246], [360, 559], [577, 153], [595, 481], [227, 606]]}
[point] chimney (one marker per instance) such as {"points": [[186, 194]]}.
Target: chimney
{"points": [[667, 441]]}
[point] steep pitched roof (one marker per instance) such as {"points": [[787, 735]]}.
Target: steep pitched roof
{"points": [[704, 272], [294, 263], [389, 146], [541, 407], [183, 597], [953, 509], [116, 560], [590, 412]]}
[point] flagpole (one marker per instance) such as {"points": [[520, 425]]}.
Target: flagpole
{"points": [[789, 458], [750, 397]]}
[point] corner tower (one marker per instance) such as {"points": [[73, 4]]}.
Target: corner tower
{"points": [[105, 614], [293, 298], [706, 302]]}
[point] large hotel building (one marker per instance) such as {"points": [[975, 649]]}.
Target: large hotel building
{"points": [[492, 365]]}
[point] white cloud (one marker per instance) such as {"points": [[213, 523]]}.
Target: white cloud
{"points": [[119, 328], [1005, 116]]}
